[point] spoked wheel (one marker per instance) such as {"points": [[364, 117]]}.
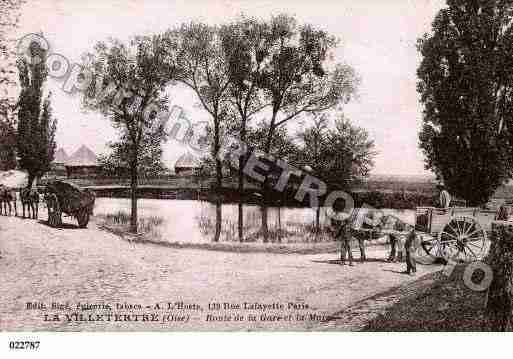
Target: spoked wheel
{"points": [[462, 239]]}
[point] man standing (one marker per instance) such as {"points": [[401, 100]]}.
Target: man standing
{"points": [[396, 242], [344, 234], [411, 245]]}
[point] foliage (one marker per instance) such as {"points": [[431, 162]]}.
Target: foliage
{"points": [[7, 146], [299, 77], [394, 200], [10, 16], [203, 65], [116, 162], [244, 40], [350, 154], [36, 125], [282, 144], [139, 71], [466, 87]]}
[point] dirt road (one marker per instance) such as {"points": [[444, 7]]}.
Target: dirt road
{"points": [[176, 289]]}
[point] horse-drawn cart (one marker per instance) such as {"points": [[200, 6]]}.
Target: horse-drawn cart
{"points": [[63, 197], [458, 233]]}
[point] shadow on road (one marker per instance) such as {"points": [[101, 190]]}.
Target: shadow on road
{"points": [[62, 226], [356, 260]]}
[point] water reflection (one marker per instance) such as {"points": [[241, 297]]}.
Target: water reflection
{"points": [[194, 221]]}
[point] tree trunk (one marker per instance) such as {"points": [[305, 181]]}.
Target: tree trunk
{"points": [[265, 187], [265, 228], [30, 180], [133, 188], [240, 222], [279, 222], [317, 221], [499, 304], [219, 183]]}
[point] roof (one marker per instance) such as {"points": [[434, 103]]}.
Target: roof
{"points": [[188, 160], [60, 156], [82, 157]]}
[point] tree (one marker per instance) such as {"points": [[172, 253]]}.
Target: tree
{"points": [[283, 147], [466, 87], [36, 126], [244, 41], [339, 156], [127, 85], [7, 146], [298, 78], [10, 14], [313, 151], [116, 162], [351, 154], [202, 64]]}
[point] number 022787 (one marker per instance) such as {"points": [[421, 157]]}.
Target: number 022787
{"points": [[24, 345]]}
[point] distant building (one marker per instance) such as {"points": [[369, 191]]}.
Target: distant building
{"points": [[187, 165], [83, 163], [58, 165]]}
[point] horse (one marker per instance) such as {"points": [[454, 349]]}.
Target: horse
{"points": [[30, 198], [7, 195]]}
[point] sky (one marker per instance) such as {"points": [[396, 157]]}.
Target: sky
{"points": [[377, 37]]}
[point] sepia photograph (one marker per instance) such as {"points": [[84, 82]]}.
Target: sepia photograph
{"points": [[262, 166]]}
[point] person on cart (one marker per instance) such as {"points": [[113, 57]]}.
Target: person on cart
{"points": [[445, 197]]}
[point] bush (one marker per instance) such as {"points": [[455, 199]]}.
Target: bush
{"points": [[120, 222]]}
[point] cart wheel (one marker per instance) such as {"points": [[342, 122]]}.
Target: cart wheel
{"points": [[462, 239]]}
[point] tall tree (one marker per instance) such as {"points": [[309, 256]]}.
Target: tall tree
{"points": [[7, 146], [203, 65], [466, 87], [299, 77], [36, 126], [244, 40], [128, 85], [10, 10]]}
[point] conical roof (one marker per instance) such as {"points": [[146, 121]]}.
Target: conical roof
{"points": [[188, 160], [60, 156], [82, 157]]}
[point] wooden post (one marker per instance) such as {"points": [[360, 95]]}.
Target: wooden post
{"points": [[499, 304]]}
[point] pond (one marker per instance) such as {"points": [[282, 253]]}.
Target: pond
{"points": [[193, 221]]}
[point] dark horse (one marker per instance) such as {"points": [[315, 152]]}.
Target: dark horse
{"points": [[7, 195], [30, 198]]}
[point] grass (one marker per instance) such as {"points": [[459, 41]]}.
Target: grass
{"points": [[119, 223], [433, 303]]}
